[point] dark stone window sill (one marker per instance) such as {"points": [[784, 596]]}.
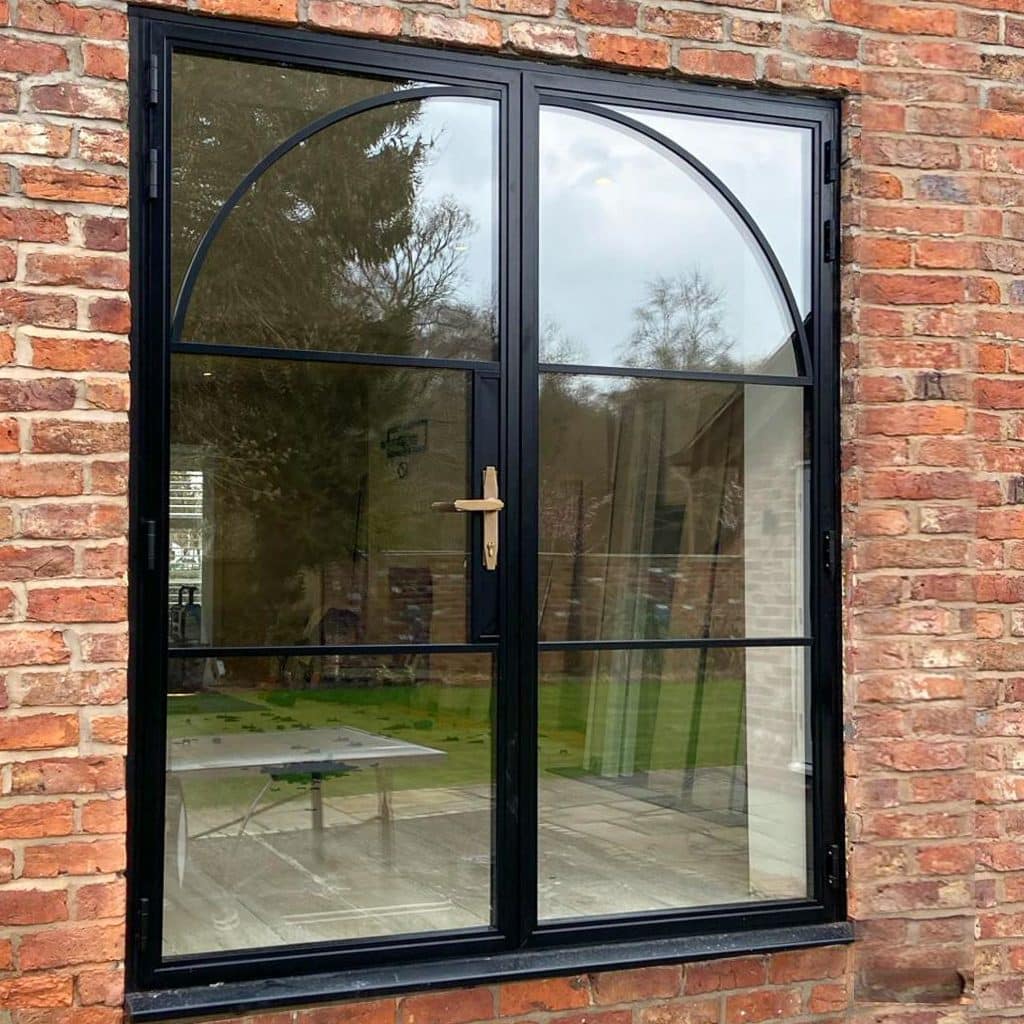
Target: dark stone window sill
{"points": [[271, 993]]}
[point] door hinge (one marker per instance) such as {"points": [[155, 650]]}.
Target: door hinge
{"points": [[829, 242], [154, 79], [153, 174], [831, 162], [828, 551], [149, 542], [832, 862], [142, 918]]}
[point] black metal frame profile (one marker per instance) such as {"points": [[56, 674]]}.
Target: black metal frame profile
{"points": [[516, 944]]}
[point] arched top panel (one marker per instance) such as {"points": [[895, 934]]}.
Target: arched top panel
{"points": [[372, 228], [649, 260]]}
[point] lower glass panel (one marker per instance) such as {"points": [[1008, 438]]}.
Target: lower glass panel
{"points": [[327, 798], [671, 779]]}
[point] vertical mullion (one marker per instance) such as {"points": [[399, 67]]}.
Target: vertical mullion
{"points": [[528, 504], [508, 894]]}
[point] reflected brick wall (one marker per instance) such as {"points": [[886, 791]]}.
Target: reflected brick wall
{"points": [[933, 418]]}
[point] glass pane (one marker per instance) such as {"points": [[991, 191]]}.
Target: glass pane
{"points": [[642, 264], [226, 115], [327, 798], [314, 482], [670, 509], [379, 234], [671, 779], [767, 167]]}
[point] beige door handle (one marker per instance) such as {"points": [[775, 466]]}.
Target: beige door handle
{"points": [[490, 505]]}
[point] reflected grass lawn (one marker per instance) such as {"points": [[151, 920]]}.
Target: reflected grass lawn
{"points": [[456, 719]]}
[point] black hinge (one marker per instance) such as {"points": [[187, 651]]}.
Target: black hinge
{"points": [[142, 932], [831, 163], [829, 242], [153, 174], [832, 867], [154, 79], [149, 542], [828, 551]]}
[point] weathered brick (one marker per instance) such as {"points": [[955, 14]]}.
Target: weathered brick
{"points": [[74, 186], [34, 138]]}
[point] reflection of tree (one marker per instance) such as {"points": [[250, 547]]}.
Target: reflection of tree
{"points": [[633, 467], [679, 326], [335, 248]]}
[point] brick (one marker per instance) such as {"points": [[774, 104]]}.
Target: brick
{"points": [[67, 521], [667, 21], [100, 61], [35, 991], [53, 393], [30, 57], [532, 37], [627, 51], [103, 146], [522, 997], [100, 900], [830, 43], [71, 687], [755, 32], [67, 19], [74, 186], [888, 17], [40, 479], [35, 139], [109, 315], [32, 647], [901, 289], [109, 477], [38, 732], [32, 906], [692, 1011], [358, 19], [79, 437], [32, 225], [258, 10], [453, 1006], [83, 271], [74, 858], [767, 1004], [643, 983], [71, 944], [113, 396], [468, 31], [78, 604], [60, 775], [376, 1011], [109, 234], [36, 820], [41, 309], [718, 975], [104, 986], [610, 13], [104, 817], [717, 64], [79, 353]]}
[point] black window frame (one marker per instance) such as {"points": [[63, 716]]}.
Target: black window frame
{"points": [[248, 979]]}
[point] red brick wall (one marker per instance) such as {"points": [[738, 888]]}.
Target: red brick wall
{"points": [[933, 419]]}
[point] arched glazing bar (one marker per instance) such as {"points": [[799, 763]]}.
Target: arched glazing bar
{"points": [[596, 111], [314, 127]]}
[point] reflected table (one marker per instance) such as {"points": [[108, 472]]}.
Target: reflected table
{"points": [[312, 754]]}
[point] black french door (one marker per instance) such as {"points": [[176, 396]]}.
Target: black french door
{"points": [[484, 508]]}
